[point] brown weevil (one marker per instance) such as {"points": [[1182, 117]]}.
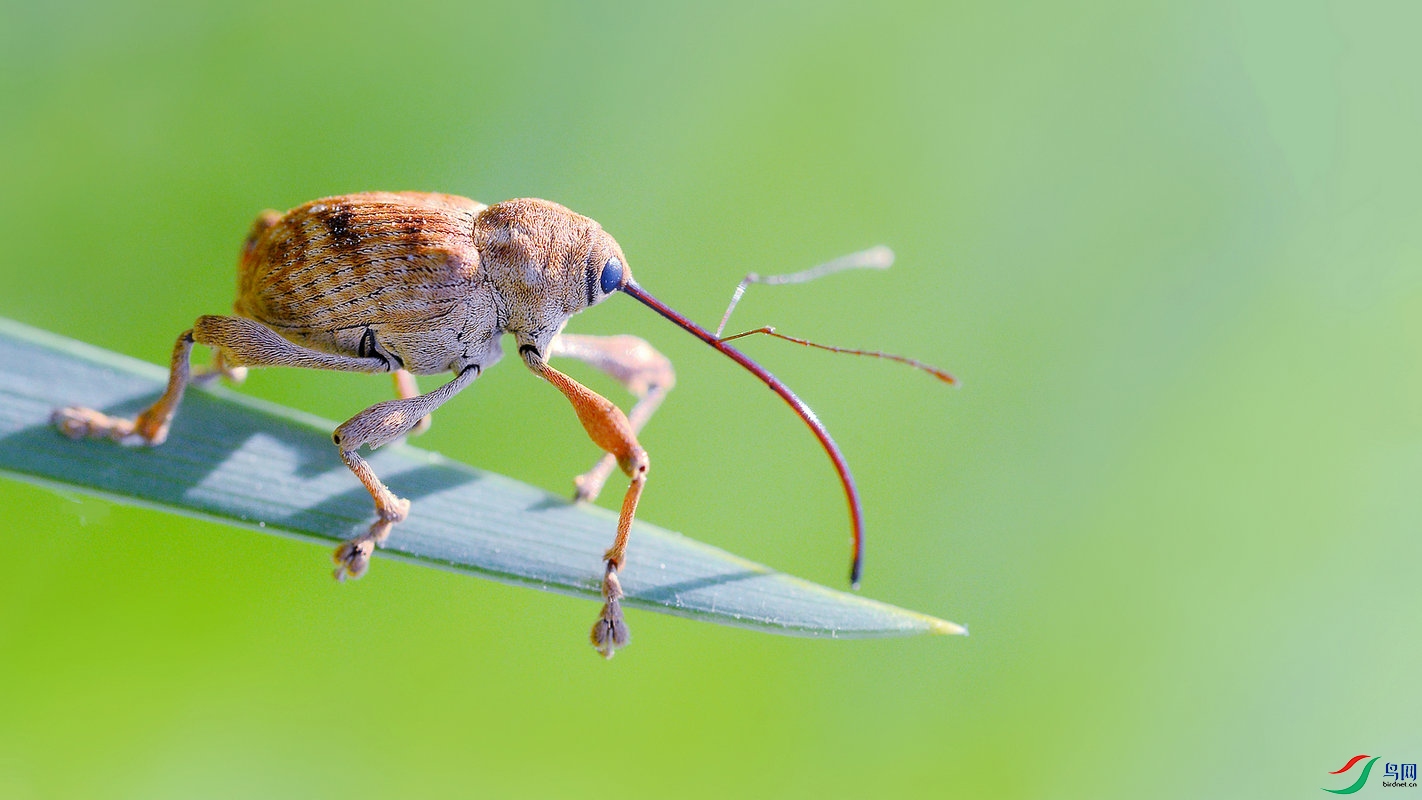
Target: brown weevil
{"points": [[421, 284]]}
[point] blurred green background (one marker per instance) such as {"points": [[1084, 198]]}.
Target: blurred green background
{"points": [[1172, 250]]}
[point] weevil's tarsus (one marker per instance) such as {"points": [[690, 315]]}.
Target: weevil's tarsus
{"points": [[646, 373], [78, 422], [768, 330], [816, 427], [610, 631], [353, 557], [879, 257]]}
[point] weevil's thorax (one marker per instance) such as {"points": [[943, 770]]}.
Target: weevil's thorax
{"points": [[544, 263]]}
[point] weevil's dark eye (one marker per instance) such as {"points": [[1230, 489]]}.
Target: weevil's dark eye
{"points": [[611, 276]]}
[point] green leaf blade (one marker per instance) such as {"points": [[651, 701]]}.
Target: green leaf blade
{"points": [[241, 461]]}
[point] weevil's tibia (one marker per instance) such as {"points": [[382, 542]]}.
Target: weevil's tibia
{"points": [[148, 428], [609, 429]]}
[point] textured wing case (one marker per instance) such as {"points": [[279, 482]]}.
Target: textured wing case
{"points": [[366, 274]]}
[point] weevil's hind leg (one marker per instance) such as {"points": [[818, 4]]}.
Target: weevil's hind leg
{"points": [[151, 426], [380, 424], [646, 373], [238, 342], [406, 388]]}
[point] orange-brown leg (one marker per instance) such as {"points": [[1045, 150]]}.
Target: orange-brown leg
{"points": [[646, 373], [609, 429]]}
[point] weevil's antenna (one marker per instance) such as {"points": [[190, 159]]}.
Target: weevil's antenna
{"points": [[879, 257], [768, 330], [845, 478]]}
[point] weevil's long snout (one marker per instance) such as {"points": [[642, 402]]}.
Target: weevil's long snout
{"points": [[851, 494]]}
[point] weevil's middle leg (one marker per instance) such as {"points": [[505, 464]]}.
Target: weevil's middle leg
{"points": [[646, 373], [219, 368], [241, 342], [406, 388], [609, 429], [380, 424]]}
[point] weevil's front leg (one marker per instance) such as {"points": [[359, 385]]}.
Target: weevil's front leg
{"points": [[609, 429], [375, 426], [406, 388], [647, 374]]}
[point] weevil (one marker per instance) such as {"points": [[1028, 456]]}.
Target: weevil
{"points": [[414, 283]]}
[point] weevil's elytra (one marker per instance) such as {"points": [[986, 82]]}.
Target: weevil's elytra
{"points": [[412, 283]]}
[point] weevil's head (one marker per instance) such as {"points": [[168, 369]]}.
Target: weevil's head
{"points": [[548, 262]]}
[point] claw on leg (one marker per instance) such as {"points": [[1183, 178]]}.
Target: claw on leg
{"points": [[77, 422], [353, 557], [610, 630]]}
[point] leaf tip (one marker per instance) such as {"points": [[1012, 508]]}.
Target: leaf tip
{"points": [[946, 628]]}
